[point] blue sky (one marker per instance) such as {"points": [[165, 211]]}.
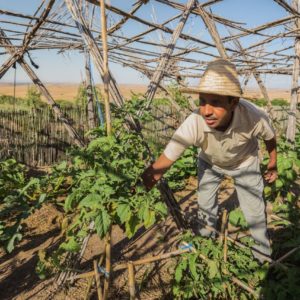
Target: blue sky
{"points": [[68, 67]]}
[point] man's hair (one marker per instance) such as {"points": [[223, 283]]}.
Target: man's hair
{"points": [[231, 98]]}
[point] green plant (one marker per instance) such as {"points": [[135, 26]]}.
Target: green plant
{"points": [[182, 169], [81, 97], [99, 181], [19, 197], [237, 218], [33, 97], [178, 97], [205, 275], [260, 102], [279, 102], [282, 192]]}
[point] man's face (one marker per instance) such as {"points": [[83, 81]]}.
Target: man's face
{"points": [[217, 110]]}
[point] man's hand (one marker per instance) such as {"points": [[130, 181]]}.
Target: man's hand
{"points": [[271, 174], [154, 172]]}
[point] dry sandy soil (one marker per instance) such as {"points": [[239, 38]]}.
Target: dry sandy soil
{"points": [[64, 91], [69, 91]]}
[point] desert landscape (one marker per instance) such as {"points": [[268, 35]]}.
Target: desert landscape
{"points": [[68, 91]]}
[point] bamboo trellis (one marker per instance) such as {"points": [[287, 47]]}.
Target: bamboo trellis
{"points": [[54, 28], [71, 25]]}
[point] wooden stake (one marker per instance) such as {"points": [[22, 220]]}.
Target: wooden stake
{"points": [[223, 226], [98, 283], [87, 291], [131, 280], [105, 66], [225, 245], [107, 264]]}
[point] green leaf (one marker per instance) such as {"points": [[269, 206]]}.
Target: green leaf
{"points": [[42, 198], [131, 226], [92, 201], [102, 223], [161, 207], [69, 202], [193, 266], [124, 212], [267, 191], [290, 197], [11, 243], [278, 184], [213, 270], [180, 268], [237, 218], [291, 175], [287, 164], [71, 245], [149, 218]]}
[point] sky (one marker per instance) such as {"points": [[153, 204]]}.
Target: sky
{"points": [[69, 67]]}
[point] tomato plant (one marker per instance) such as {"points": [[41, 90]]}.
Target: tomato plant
{"points": [[19, 197]]}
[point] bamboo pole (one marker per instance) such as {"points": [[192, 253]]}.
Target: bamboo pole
{"points": [[165, 56], [292, 121], [106, 77], [143, 261], [279, 260], [89, 91], [27, 39], [107, 264], [97, 277], [131, 280]]}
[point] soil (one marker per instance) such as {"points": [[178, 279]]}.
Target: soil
{"points": [[18, 279]]}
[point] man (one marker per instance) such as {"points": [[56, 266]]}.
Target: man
{"points": [[226, 129]]}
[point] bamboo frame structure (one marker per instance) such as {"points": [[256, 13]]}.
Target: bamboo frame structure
{"points": [[69, 25]]}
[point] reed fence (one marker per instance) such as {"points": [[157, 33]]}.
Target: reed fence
{"points": [[37, 138]]}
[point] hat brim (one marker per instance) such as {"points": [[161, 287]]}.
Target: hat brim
{"points": [[202, 91]]}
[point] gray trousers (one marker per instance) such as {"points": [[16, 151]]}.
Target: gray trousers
{"points": [[249, 188]]}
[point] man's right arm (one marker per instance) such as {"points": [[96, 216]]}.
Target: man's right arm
{"points": [[184, 137], [155, 171]]}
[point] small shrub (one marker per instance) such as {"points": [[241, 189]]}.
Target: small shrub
{"points": [[33, 97], [279, 102], [260, 102]]}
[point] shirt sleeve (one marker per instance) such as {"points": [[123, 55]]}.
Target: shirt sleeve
{"points": [[184, 136], [264, 128]]}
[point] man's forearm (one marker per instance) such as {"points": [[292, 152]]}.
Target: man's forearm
{"points": [[271, 148]]}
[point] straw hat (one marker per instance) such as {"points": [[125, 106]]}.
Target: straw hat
{"points": [[219, 78]]}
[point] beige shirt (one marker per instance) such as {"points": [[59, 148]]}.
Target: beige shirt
{"points": [[235, 148]]}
